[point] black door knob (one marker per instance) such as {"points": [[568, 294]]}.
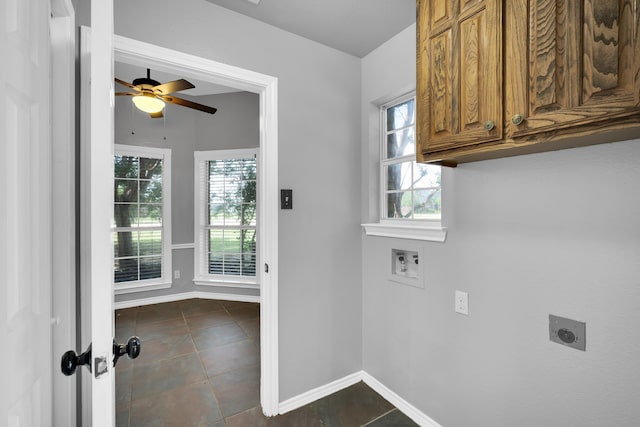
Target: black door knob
{"points": [[70, 361], [131, 348]]}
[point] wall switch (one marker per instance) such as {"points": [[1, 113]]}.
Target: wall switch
{"points": [[462, 302], [286, 199], [176, 274]]}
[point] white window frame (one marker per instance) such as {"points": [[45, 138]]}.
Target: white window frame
{"points": [[201, 175], [164, 281], [406, 228]]}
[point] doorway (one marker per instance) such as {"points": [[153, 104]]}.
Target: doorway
{"points": [[146, 55]]}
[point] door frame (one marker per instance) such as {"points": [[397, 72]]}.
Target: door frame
{"points": [[146, 55], [63, 187]]}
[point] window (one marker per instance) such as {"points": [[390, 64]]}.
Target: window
{"points": [[141, 225], [225, 206], [410, 195], [411, 191]]}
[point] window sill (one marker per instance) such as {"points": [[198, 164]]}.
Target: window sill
{"points": [[227, 283], [130, 288], [404, 231]]}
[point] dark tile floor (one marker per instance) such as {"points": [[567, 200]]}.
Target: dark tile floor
{"points": [[200, 366]]}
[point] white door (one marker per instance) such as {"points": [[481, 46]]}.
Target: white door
{"points": [[25, 214], [96, 202]]}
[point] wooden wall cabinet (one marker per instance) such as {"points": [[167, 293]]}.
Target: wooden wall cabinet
{"points": [[497, 78]]}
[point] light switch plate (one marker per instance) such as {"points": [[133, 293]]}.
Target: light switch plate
{"points": [[286, 199], [568, 332]]}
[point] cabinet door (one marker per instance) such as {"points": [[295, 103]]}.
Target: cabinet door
{"points": [[575, 64], [459, 77]]}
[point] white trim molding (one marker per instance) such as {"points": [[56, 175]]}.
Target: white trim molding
{"points": [[137, 287], [415, 232], [226, 283], [177, 246], [319, 392], [184, 296], [408, 409]]}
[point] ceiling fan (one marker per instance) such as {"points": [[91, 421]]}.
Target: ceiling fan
{"points": [[151, 95]]}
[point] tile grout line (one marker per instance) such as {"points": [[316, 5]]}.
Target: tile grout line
{"points": [[379, 417], [204, 369]]}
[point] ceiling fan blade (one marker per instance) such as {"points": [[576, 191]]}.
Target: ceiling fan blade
{"points": [[126, 94], [129, 85], [190, 104], [174, 86], [157, 115]]}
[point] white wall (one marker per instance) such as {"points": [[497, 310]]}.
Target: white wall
{"points": [[184, 131], [553, 233], [319, 146]]}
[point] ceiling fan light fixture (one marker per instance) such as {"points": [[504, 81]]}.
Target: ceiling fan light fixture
{"points": [[148, 103]]}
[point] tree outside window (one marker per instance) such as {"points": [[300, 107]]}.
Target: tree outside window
{"points": [[411, 191]]}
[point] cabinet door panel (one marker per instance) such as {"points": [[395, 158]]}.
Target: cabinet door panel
{"points": [[458, 78], [470, 89], [440, 12], [440, 82], [468, 6], [582, 57], [547, 38], [608, 49]]}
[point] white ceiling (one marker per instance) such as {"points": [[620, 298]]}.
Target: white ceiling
{"points": [[353, 26]]}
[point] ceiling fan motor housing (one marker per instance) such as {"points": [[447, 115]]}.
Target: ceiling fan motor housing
{"points": [[142, 81]]}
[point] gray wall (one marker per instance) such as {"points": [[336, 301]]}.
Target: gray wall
{"points": [[320, 310], [235, 125], [83, 12], [528, 236]]}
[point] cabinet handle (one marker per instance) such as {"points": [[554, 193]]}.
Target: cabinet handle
{"points": [[489, 125], [517, 119]]}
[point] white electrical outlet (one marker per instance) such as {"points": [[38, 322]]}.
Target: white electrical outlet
{"points": [[462, 302], [176, 274]]}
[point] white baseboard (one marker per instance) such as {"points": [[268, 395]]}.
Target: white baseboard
{"points": [[319, 392], [408, 409], [184, 296], [312, 395]]}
